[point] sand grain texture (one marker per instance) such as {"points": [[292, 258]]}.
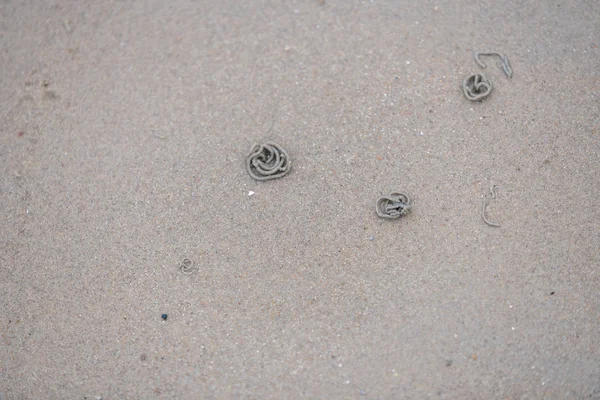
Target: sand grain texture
{"points": [[124, 131]]}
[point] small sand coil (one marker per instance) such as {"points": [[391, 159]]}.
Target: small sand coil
{"points": [[187, 266], [477, 87], [394, 206], [267, 161]]}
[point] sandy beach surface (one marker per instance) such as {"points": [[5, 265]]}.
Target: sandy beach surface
{"points": [[125, 127]]}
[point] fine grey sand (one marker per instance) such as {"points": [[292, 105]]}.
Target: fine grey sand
{"points": [[125, 127]]}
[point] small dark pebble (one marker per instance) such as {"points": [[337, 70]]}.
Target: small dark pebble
{"points": [[143, 357], [164, 316], [448, 363], [551, 293], [20, 133]]}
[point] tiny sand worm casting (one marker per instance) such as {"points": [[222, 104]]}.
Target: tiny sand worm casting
{"points": [[394, 206], [187, 266], [476, 87], [267, 161]]}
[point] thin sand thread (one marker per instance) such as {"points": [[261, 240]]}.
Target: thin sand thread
{"points": [[505, 63], [484, 206]]}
